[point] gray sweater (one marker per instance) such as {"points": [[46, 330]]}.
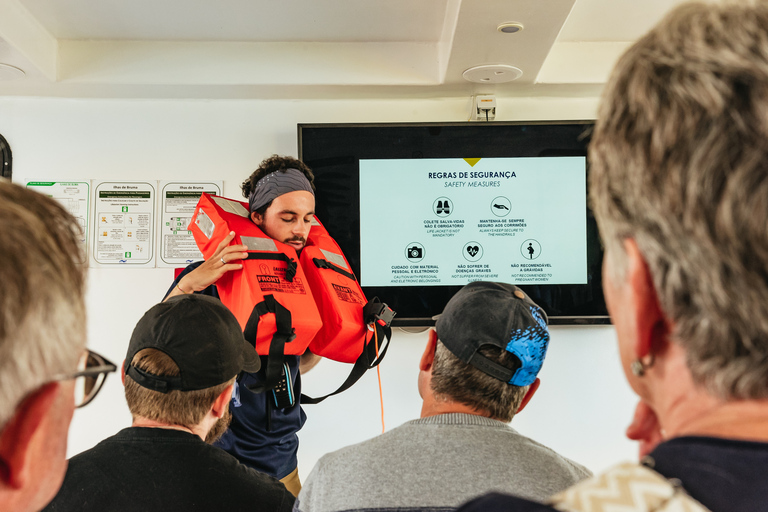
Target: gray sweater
{"points": [[436, 463]]}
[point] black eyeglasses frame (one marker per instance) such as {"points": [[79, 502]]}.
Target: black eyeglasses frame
{"points": [[104, 368]]}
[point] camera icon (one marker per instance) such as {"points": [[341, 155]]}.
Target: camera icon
{"points": [[414, 252]]}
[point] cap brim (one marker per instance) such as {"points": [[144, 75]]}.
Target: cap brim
{"points": [[251, 360]]}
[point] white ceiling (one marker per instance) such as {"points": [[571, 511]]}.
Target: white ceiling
{"points": [[312, 48]]}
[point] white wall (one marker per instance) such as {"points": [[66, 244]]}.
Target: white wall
{"points": [[583, 404]]}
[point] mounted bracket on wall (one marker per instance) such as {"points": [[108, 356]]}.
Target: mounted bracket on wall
{"points": [[6, 158], [483, 108]]}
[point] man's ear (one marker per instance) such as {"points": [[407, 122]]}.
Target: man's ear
{"points": [[529, 394], [17, 436], [222, 401], [257, 218], [425, 364], [651, 325]]}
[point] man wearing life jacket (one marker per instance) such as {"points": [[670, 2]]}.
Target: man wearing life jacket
{"points": [[281, 201]]}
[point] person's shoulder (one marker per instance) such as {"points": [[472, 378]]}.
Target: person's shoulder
{"points": [[549, 453], [104, 449], [269, 490], [341, 456], [346, 461], [368, 448], [86, 475], [494, 501]]}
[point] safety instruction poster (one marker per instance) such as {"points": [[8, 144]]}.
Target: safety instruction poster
{"points": [[124, 220], [454, 221], [177, 205], [75, 197]]}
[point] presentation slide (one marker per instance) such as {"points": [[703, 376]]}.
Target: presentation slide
{"points": [[451, 221]]}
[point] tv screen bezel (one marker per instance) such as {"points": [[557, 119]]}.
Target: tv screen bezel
{"points": [[424, 321]]}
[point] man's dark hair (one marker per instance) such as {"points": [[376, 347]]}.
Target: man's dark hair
{"points": [[270, 165]]}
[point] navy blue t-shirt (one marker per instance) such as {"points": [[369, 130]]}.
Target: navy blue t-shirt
{"points": [[724, 475], [272, 451]]}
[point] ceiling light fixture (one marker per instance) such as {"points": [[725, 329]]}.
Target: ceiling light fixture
{"points": [[492, 74], [510, 27], [8, 73]]}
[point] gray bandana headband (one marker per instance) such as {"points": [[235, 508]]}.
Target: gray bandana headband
{"points": [[276, 184]]}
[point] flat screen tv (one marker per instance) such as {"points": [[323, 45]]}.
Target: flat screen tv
{"points": [[422, 209]]}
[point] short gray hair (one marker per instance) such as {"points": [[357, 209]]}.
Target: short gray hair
{"points": [[42, 309], [460, 382], [679, 163]]}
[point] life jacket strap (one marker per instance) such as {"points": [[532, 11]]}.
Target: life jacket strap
{"points": [[321, 263], [368, 359], [284, 334]]}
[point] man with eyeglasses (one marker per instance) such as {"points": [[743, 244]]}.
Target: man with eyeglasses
{"points": [[179, 372], [45, 371]]}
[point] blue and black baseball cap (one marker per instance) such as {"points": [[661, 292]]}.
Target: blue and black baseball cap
{"points": [[499, 315]]}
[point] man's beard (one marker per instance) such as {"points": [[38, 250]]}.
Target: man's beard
{"points": [[219, 428]]}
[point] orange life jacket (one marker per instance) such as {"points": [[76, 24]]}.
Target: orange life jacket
{"points": [[323, 298], [338, 296]]}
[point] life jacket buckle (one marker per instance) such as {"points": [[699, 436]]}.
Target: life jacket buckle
{"points": [[379, 312]]}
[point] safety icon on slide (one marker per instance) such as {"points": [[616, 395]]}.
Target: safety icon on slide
{"points": [[530, 249], [501, 206], [442, 207], [414, 252], [472, 251]]}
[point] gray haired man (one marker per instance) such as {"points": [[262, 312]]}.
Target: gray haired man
{"points": [[45, 371], [479, 369]]}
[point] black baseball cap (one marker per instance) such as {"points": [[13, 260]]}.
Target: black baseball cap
{"points": [[499, 315], [202, 337]]}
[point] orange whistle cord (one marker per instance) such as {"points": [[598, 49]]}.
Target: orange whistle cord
{"points": [[378, 373]]}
